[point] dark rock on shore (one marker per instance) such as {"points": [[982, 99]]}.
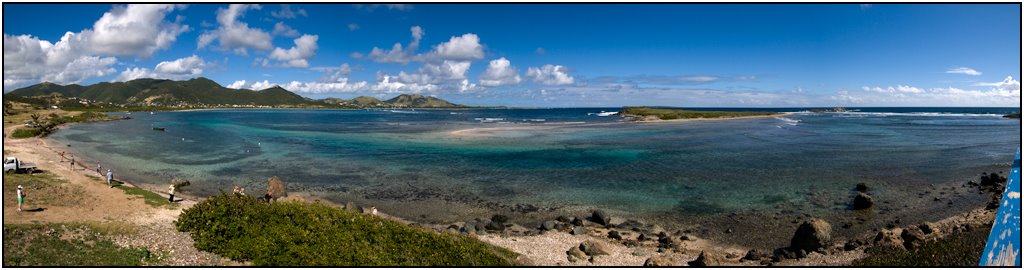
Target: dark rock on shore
{"points": [[564, 219], [594, 248], [600, 217], [1012, 116], [862, 201], [578, 230], [888, 238], [495, 226], [912, 238], [577, 221], [754, 255], [499, 218], [547, 225], [660, 261], [861, 187], [851, 245], [927, 227], [614, 235], [812, 235], [707, 258], [574, 254], [642, 237]]}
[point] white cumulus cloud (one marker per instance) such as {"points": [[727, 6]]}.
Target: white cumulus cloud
{"points": [[281, 29], [182, 68], [550, 75], [235, 35], [297, 56], [134, 30], [398, 54], [286, 12], [500, 72]]}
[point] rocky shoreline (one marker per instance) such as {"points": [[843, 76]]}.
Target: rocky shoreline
{"points": [[602, 239]]}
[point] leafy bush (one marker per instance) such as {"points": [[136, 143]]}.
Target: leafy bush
{"points": [[961, 249], [302, 234], [26, 132]]}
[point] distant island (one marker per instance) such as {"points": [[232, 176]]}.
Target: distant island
{"points": [[656, 114], [197, 93]]}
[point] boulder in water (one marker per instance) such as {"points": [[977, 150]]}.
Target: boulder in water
{"points": [[862, 201], [861, 187]]}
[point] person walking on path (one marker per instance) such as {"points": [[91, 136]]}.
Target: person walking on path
{"points": [[21, 197], [110, 178], [170, 191]]}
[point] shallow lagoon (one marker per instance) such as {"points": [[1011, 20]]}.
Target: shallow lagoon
{"points": [[454, 165]]}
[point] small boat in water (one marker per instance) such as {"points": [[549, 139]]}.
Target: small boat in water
{"points": [[159, 129]]}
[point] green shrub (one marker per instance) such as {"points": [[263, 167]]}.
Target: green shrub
{"points": [[26, 132], [962, 249], [302, 234]]}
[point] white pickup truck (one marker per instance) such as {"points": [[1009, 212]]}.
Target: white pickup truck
{"points": [[13, 164]]}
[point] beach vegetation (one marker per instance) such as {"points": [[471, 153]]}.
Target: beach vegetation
{"points": [[672, 114], [312, 234], [68, 244], [959, 249]]}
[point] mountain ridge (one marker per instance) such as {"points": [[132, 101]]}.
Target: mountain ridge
{"points": [[203, 92]]}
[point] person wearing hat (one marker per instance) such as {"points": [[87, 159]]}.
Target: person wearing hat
{"points": [[21, 197], [170, 191], [110, 177]]}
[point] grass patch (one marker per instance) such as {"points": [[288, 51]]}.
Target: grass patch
{"points": [[69, 244], [671, 114], [961, 249], [26, 132], [303, 234], [151, 198], [42, 189]]}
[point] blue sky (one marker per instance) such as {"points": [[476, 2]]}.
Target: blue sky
{"points": [[723, 55]]}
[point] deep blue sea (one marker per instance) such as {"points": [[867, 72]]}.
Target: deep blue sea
{"points": [[452, 165]]}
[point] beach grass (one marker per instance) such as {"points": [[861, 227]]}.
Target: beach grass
{"points": [[26, 132], [959, 249], [673, 114], [42, 189], [68, 244], [311, 234], [151, 198]]}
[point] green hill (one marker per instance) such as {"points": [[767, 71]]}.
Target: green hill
{"points": [[154, 92], [198, 92], [419, 101]]}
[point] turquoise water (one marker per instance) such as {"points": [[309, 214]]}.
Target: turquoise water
{"points": [[558, 160]]}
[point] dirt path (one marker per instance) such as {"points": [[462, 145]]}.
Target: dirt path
{"points": [[100, 203]]}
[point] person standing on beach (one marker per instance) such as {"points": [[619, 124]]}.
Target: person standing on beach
{"points": [[110, 178], [170, 191], [72, 166], [61, 156], [99, 168], [21, 197]]}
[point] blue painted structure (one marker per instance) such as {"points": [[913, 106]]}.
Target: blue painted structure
{"points": [[1003, 246]]}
